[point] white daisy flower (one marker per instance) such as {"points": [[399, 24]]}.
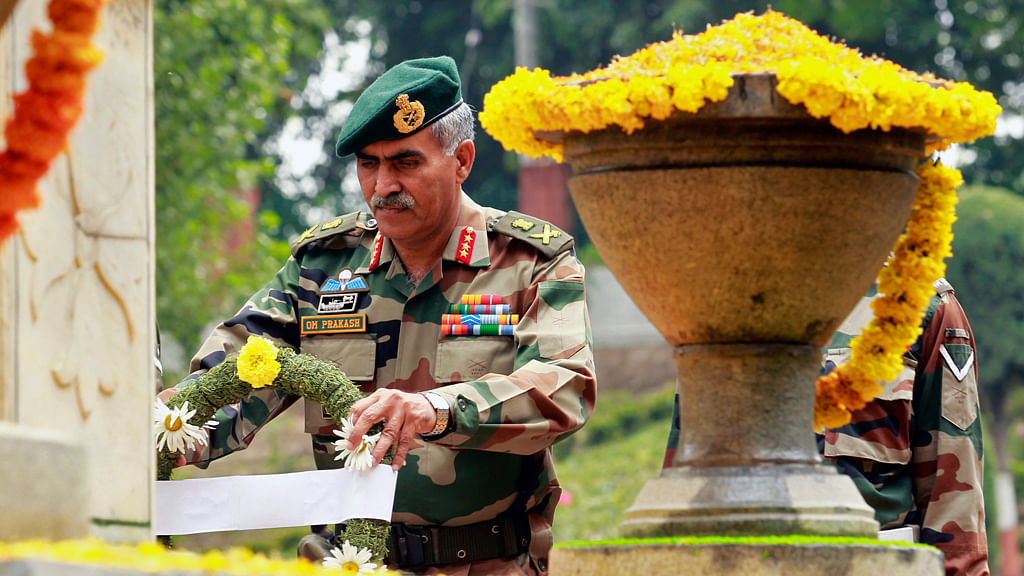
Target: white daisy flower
{"points": [[172, 428], [350, 560], [361, 458]]}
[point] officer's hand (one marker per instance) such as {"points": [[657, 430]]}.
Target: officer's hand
{"points": [[166, 394], [405, 415]]}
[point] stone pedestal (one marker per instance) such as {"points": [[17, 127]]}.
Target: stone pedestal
{"points": [[745, 233], [77, 301], [745, 559], [746, 461], [42, 489]]}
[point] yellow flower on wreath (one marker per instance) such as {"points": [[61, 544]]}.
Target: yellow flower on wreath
{"points": [[257, 362]]}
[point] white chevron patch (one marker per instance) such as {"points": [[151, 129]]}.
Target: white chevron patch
{"points": [[960, 373]]}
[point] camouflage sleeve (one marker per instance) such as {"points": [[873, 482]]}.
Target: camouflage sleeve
{"points": [[874, 448], [271, 313], [947, 442], [551, 392]]}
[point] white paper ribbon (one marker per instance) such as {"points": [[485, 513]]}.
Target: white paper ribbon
{"points": [[273, 500]]}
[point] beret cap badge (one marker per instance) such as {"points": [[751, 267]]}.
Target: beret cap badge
{"points": [[410, 115], [424, 90]]}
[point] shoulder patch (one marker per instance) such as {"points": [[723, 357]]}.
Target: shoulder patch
{"points": [[333, 227], [547, 238]]}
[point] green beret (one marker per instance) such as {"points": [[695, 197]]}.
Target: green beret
{"points": [[404, 100]]}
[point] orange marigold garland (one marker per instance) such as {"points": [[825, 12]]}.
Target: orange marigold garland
{"points": [[906, 286], [46, 112]]}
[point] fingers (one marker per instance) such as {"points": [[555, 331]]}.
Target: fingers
{"points": [[364, 414], [166, 394], [392, 431], [401, 450], [405, 415], [358, 408]]}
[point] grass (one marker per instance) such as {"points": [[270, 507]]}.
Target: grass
{"points": [[604, 466], [784, 540]]}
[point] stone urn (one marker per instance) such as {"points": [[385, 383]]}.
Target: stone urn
{"points": [[746, 233]]}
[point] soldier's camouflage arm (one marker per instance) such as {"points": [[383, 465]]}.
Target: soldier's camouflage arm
{"points": [[270, 313], [947, 442]]}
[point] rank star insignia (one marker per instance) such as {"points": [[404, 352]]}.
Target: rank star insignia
{"points": [[410, 114], [466, 241], [547, 234], [378, 244], [522, 224]]}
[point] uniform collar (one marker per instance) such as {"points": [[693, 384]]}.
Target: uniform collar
{"points": [[467, 243]]}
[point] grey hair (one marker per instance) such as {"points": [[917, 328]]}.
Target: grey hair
{"points": [[452, 128]]}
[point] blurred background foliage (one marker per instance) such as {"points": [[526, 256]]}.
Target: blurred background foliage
{"points": [[250, 96]]}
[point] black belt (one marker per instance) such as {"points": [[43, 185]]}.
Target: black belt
{"points": [[417, 546]]}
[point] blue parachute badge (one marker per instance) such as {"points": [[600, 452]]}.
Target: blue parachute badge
{"points": [[346, 281], [356, 283]]}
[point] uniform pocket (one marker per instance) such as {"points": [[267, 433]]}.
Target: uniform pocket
{"points": [[959, 385], [354, 354], [468, 358]]}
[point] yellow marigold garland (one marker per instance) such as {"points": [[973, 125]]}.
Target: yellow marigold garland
{"points": [[153, 558], [46, 112], [831, 80], [906, 286], [257, 362]]}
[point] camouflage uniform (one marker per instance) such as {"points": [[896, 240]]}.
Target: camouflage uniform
{"points": [[915, 451], [512, 396]]}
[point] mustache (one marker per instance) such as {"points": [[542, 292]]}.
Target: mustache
{"points": [[399, 199]]}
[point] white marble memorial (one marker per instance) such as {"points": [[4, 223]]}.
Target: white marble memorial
{"points": [[77, 300]]}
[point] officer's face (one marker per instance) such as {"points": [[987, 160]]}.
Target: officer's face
{"points": [[412, 187]]}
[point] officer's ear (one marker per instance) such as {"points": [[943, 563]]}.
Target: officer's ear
{"points": [[464, 155]]}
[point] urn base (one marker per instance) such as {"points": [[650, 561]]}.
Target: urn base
{"points": [[749, 501]]}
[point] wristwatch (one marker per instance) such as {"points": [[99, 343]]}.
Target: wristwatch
{"points": [[443, 412]]}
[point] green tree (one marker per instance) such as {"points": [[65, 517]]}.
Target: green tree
{"points": [[223, 72], [976, 41], [987, 276]]}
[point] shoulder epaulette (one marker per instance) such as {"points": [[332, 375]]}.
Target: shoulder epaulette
{"points": [[547, 238], [333, 227]]}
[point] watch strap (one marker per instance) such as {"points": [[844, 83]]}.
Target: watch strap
{"points": [[443, 412]]}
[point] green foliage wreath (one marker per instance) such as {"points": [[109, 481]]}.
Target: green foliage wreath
{"points": [[261, 364]]}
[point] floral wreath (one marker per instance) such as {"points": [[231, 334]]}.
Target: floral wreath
{"points": [[831, 81], [185, 419]]}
